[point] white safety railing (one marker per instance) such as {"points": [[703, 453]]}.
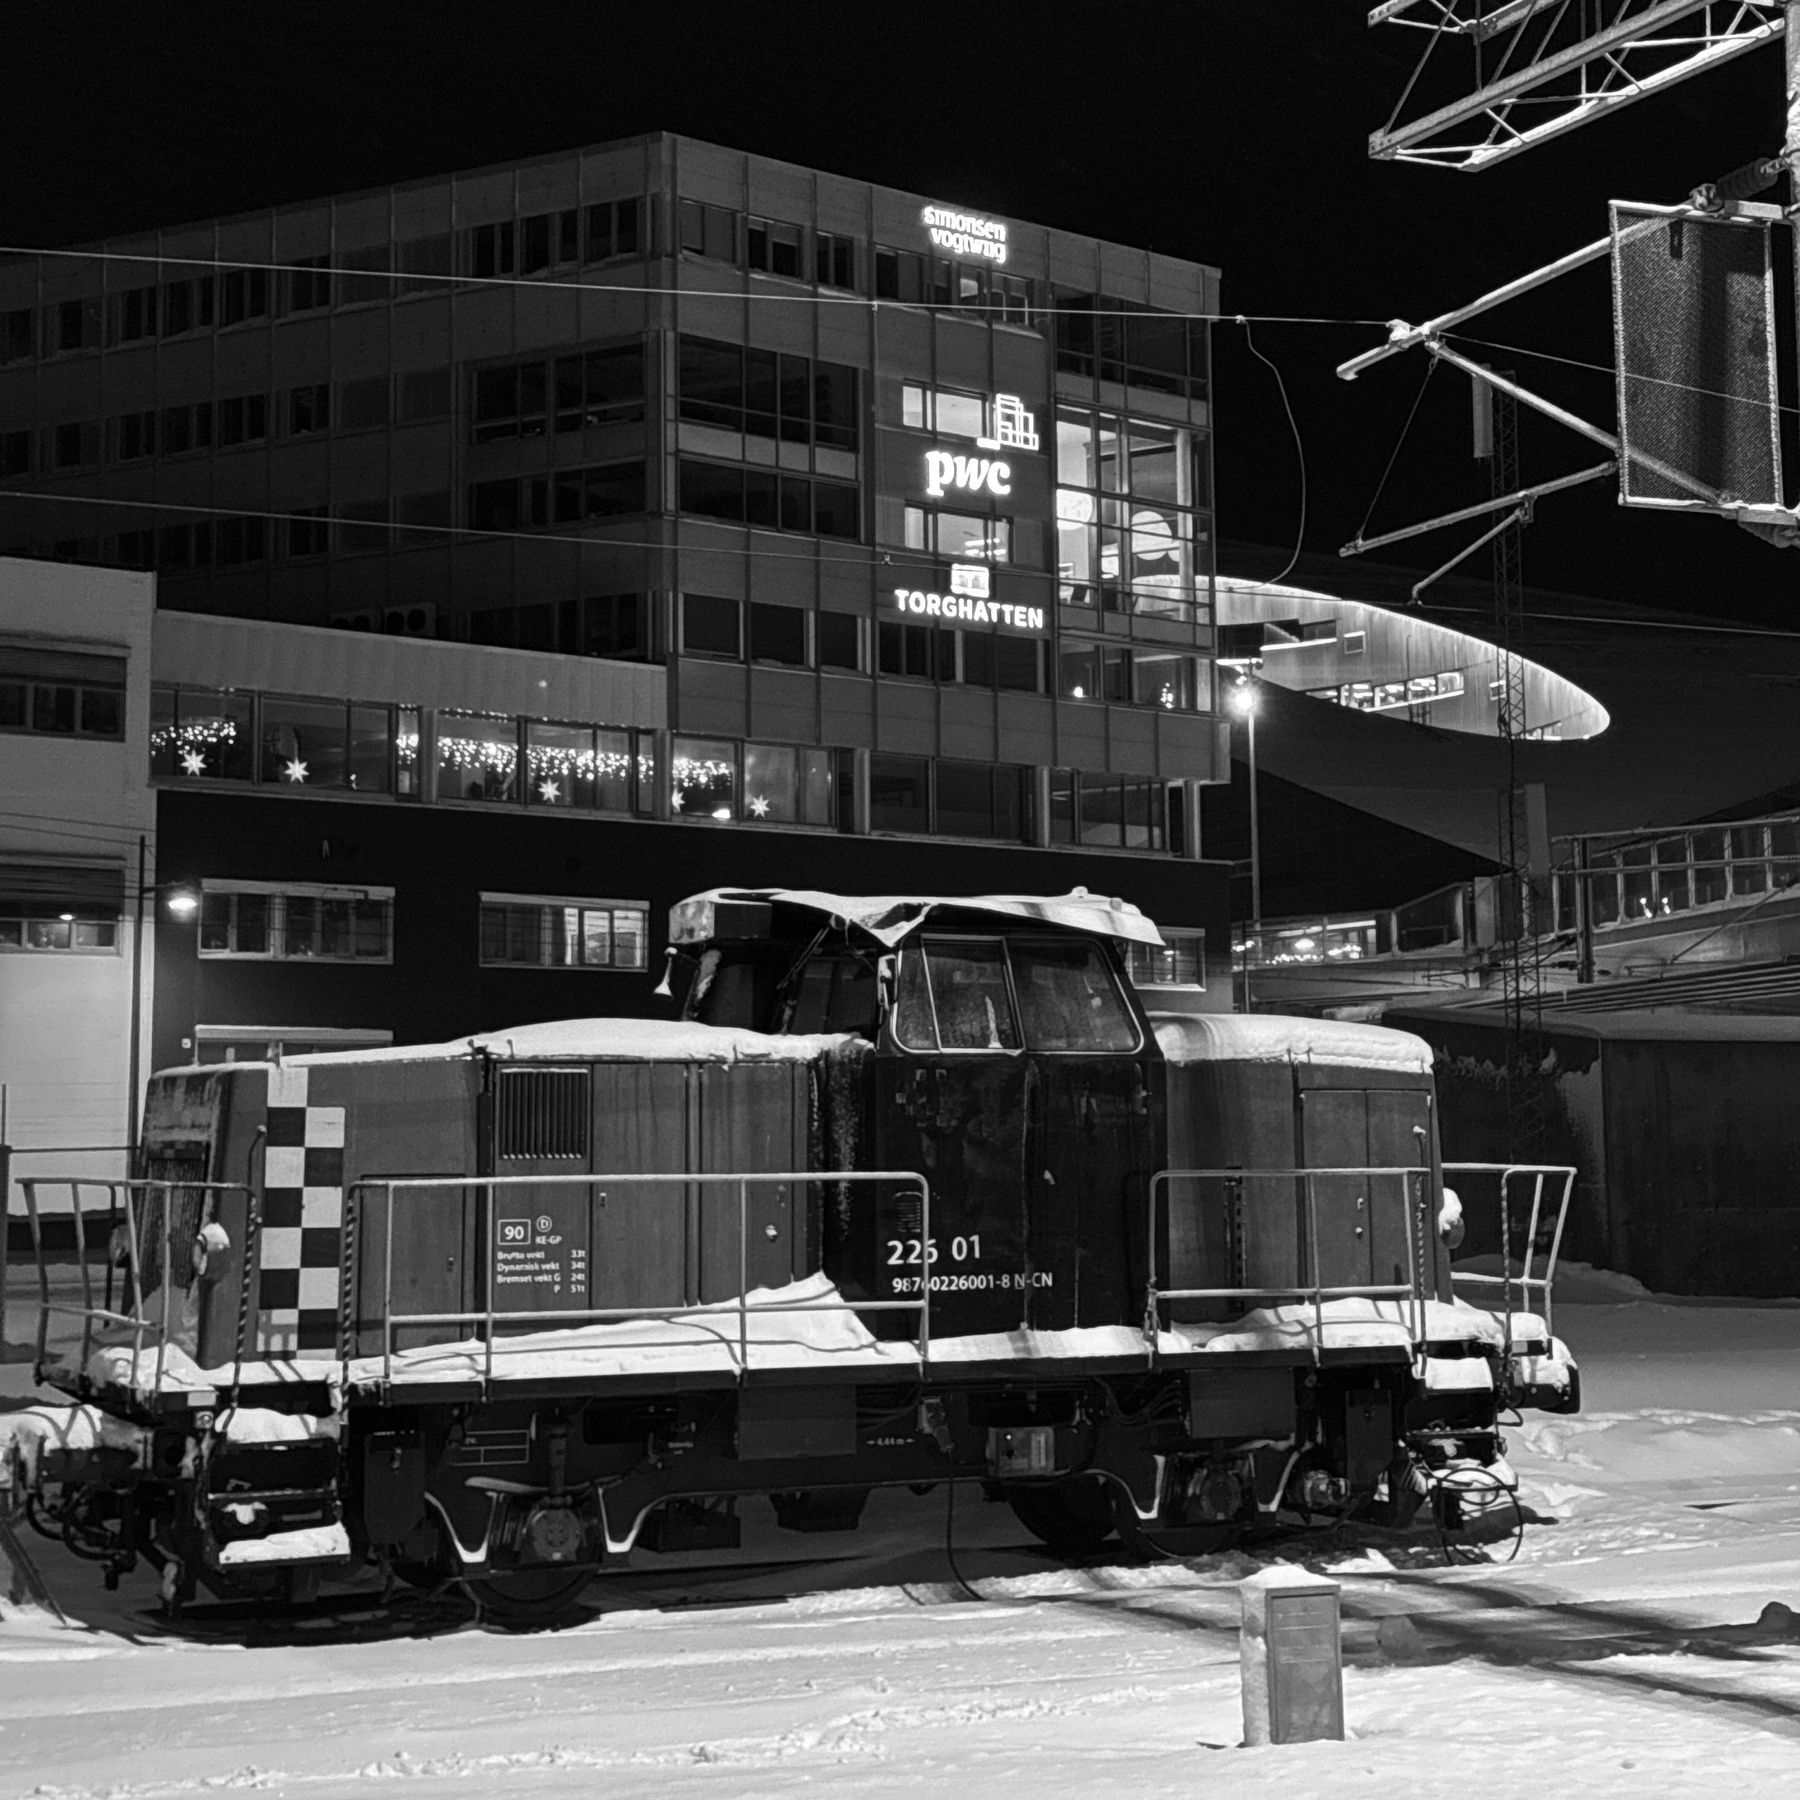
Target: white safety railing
{"points": [[488, 1316], [1538, 1174], [1413, 1179], [126, 1204]]}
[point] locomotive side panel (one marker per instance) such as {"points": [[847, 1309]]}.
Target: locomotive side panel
{"points": [[404, 1119], [753, 1116], [1236, 1233], [641, 1235]]}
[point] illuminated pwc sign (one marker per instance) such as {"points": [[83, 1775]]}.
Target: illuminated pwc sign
{"points": [[965, 234], [968, 602], [1014, 429]]}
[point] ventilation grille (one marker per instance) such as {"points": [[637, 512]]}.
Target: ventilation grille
{"points": [[541, 1113], [1694, 318]]}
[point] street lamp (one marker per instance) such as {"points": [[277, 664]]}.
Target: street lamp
{"points": [[1242, 698]]}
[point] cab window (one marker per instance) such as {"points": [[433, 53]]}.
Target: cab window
{"points": [[1003, 994], [1068, 998], [834, 993]]}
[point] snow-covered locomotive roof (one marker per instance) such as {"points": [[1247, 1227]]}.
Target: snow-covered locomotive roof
{"points": [[890, 917], [1257, 1037], [602, 1040]]}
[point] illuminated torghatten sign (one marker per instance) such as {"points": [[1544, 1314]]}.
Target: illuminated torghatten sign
{"points": [[966, 234], [969, 611]]}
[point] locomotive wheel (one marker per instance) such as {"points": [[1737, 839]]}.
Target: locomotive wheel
{"points": [[529, 1596], [1073, 1517]]}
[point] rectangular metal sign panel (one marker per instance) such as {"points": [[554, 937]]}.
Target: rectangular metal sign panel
{"points": [[1694, 347]]}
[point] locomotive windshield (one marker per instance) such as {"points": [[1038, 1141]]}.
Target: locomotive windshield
{"points": [[975, 994]]}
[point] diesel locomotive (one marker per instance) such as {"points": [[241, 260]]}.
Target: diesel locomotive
{"points": [[913, 1191]]}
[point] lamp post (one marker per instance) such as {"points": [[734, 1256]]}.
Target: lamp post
{"points": [[183, 901], [1242, 699]]}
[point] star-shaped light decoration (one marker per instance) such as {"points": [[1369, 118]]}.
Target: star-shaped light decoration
{"points": [[295, 771], [548, 790], [192, 763], [675, 800], [759, 806]]}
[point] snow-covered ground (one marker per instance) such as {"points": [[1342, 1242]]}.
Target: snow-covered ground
{"points": [[1620, 1654]]}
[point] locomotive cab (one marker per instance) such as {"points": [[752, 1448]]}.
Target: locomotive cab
{"points": [[1012, 1065]]}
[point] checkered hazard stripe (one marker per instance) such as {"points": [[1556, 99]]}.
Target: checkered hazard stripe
{"points": [[302, 1238]]}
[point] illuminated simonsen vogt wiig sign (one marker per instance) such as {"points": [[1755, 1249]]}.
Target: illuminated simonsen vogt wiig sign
{"points": [[965, 234]]}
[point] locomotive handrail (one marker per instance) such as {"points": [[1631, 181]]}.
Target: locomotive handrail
{"points": [[122, 1196], [1525, 1280], [1313, 1292], [392, 1322]]}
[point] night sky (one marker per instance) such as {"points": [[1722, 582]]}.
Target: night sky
{"points": [[1234, 135]]}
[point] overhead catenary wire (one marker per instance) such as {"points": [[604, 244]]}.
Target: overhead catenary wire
{"points": [[1299, 446], [1381, 486]]}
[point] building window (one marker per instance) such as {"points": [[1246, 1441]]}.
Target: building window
{"points": [[541, 932], [308, 409], [1180, 963], [269, 1043], [326, 745], [200, 734], [134, 315], [775, 248], [834, 259], [582, 767], [980, 800], [1175, 681], [923, 651], [569, 497], [614, 625], [706, 779], [185, 428], [243, 419], [599, 387], [943, 411], [18, 335], [73, 325], [786, 786], [900, 794], [293, 922], [71, 908], [1133, 535], [1108, 811], [778, 634], [711, 626], [134, 435], [963, 537], [309, 283], [243, 294], [492, 250], [61, 693], [308, 534], [237, 541], [187, 305], [842, 641], [614, 228], [15, 453], [709, 231], [771, 501], [766, 393], [1115, 340], [75, 446], [477, 756]]}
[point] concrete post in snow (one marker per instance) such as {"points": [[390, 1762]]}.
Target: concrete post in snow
{"points": [[1291, 1652]]}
